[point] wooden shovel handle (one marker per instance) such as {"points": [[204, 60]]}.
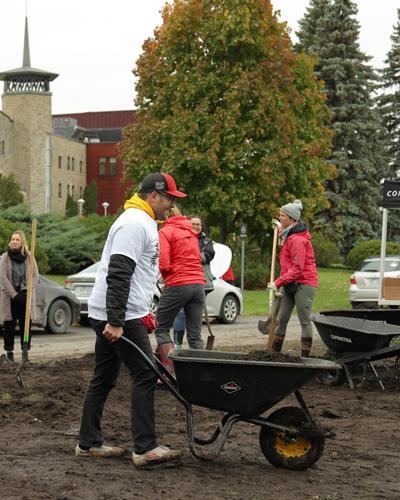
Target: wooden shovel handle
{"points": [[30, 283]]}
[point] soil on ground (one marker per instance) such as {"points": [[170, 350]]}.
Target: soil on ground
{"points": [[39, 426]]}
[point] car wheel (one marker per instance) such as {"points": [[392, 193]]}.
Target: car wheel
{"points": [[59, 316], [229, 310]]}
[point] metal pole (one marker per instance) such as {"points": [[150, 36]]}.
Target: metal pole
{"points": [[383, 253], [242, 269]]}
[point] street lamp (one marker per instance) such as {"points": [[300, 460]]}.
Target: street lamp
{"points": [[105, 206], [81, 201]]}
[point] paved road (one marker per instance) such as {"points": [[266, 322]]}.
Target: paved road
{"points": [[79, 340]]}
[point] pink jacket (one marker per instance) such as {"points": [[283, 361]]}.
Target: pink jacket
{"points": [[180, 260], [297, 258]]}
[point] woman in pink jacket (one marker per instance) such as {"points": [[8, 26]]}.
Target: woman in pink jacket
{"points": [[298, 279]]}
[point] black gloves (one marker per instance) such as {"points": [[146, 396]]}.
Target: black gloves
{"points": [[20, 298]]}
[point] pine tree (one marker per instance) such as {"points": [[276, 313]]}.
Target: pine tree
{"points": [[390, 101], [10, 191], [90, 197], [350, 82], [71, 207]]}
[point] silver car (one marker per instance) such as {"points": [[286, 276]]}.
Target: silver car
{"points": [[364, 283], [56, 306], [225, 302]]}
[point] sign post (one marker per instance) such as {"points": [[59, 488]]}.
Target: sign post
{"points": [[243, 237]]}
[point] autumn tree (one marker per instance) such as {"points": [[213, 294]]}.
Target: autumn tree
{"points": [[330, 32], [225, 106]]}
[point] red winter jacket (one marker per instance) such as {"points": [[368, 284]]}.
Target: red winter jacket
{"points": [[297, 258], [180, 260]]}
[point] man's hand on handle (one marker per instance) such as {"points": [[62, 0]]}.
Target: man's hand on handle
{"points": [[113, 333]]}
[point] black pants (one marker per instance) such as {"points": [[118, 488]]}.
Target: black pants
{"points": [[108, 358], [173, 298], [17, 314]]}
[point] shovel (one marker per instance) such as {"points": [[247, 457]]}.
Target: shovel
{"points": [[211, 337], [274, 320], [28, 306], [264, 326]]}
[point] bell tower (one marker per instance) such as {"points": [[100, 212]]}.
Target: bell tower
{"points": [[26, 100]]}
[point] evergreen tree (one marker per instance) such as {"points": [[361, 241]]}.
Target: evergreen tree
{"points": [[227, 107], [71, 207], [390, 101], [354, 195], [10, 191], [90, 197]]}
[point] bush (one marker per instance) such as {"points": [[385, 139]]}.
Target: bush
{"points": [[326, 252], [368, 248]]}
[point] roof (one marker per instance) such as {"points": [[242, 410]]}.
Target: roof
{"points": [[102, 119]]}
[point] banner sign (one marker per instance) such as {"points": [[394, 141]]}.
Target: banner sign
{"points": [[391, 194]]}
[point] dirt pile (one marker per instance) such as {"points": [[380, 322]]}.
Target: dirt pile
{"points": [[39, 427]]}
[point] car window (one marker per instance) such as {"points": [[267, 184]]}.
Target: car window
{"points": [[374, 265]]}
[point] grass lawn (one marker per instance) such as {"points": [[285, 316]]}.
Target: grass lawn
{"points": [[332, 293]]}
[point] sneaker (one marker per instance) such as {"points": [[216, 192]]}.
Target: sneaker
{"points": [[10, 357], [155, 457], [100, 451]]}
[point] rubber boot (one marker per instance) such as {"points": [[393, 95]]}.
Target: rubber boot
{"points": [[277, 344], [178, 338], [163, 350], [306, 343], [10, 356]]}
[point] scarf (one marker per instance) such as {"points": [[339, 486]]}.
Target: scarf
{"points": [[16, 255], [137, 202], [285, 234]]}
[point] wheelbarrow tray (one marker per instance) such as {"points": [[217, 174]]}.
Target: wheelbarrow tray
{"points": [[214, 380], [391, 316], [347, 334]]}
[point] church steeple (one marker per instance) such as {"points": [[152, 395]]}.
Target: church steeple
{"points": [[26, 61], [27, 79]]}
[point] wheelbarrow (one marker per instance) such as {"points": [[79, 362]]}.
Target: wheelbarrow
{"points": [[290, 437], [355, 341]]}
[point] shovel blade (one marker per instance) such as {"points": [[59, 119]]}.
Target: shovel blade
{"points": [[210, 343], [264, 326]]}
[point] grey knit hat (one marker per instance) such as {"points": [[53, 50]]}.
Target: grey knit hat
{"points": [[293, 210]]}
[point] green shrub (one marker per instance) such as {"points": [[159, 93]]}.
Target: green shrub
{"points": [[326, 252], [368, 248]]}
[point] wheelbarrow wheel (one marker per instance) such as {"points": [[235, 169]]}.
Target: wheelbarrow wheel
{"points": [[290, 451], [333, 377]]}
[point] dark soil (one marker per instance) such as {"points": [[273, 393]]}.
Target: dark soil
{"points": [[39, 427]]}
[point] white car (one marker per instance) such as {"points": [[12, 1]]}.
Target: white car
{"points": [[225, 302], [364, 283]]}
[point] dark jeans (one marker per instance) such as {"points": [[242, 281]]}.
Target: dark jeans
{"points": [[17, 314], [108, 358], [173, 298]]}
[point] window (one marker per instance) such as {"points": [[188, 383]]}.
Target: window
{"points": [[73, 191], [68, 163], [80, 192], [59, 162], [2, 147], [68, 193], [73, 164], [113, 166], [59, 190], [102, 166], [80, 166]]}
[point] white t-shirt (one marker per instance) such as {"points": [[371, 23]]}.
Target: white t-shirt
{"points": [[134, 234]]}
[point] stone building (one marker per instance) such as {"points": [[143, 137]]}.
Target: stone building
{"points": [[46, 165]]}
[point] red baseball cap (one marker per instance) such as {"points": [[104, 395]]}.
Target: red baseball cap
{"points": [[163, 183]]}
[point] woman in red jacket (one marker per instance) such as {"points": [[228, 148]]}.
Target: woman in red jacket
{"points": [[183, 275], [298, 276]]}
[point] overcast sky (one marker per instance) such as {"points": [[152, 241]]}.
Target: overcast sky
{"points": [[93, 44]]}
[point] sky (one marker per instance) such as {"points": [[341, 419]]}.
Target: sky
{"points": [[93, 44]]}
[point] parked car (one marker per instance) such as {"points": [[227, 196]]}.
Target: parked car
{"points": [[56, 306], [364, 283], [225, 302]]}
